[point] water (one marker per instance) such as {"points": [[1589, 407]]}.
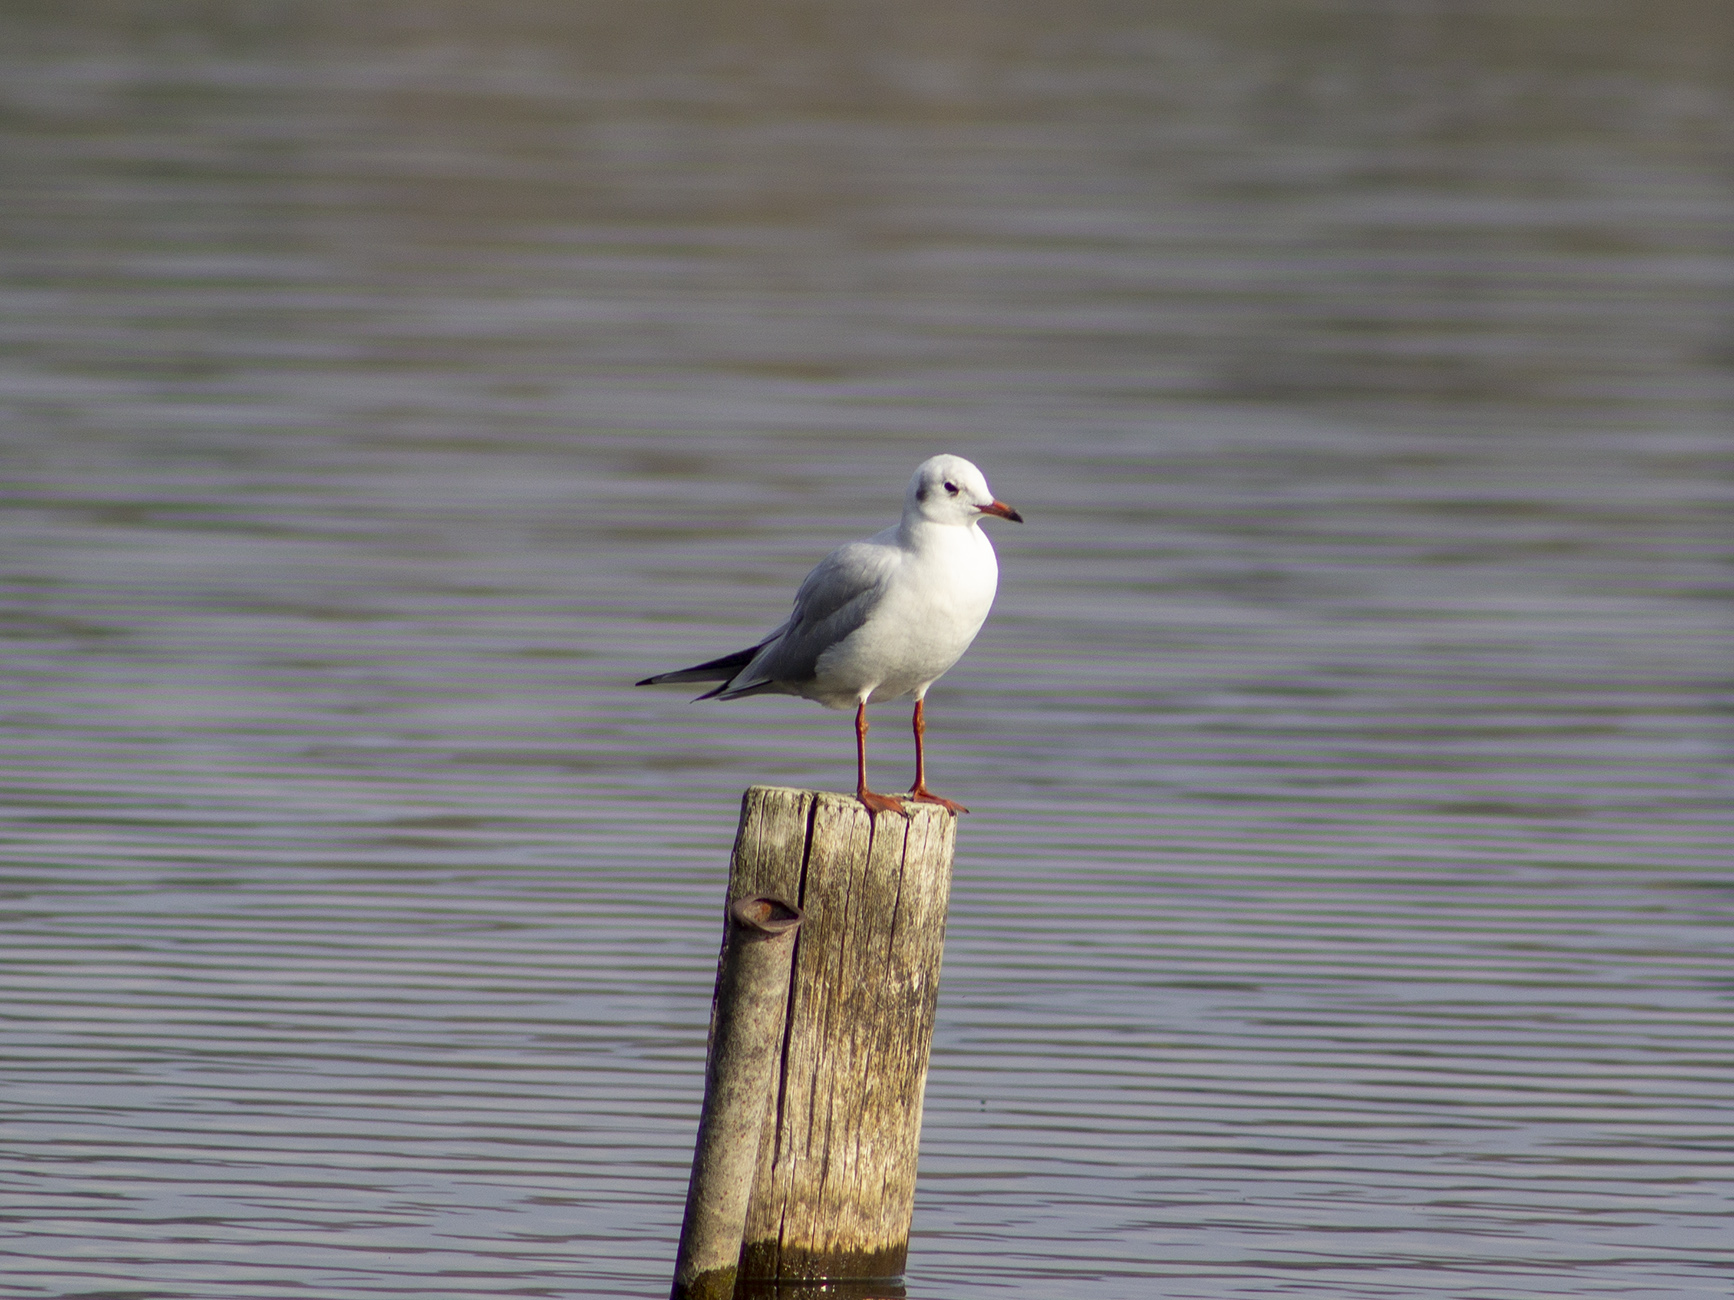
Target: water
{"points": [[1346, 906]]}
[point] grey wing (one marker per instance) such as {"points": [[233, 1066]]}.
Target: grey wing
{"points": [[838, 596]]}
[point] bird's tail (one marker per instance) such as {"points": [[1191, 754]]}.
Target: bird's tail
{"points": [[713, 670], [729, 691]]}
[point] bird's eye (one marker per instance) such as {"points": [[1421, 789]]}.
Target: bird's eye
{"points": [[951, 488]]}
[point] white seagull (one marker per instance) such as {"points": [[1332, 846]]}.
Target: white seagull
{"points": [[881, 619]]}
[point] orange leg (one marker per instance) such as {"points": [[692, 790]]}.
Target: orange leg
{"points": [[875, 802], [919, 791]]}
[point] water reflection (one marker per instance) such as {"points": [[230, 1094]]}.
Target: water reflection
{"points": [[385, 388]]}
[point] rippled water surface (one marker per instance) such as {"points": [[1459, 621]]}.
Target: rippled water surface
{"points": [[1346, 906]]}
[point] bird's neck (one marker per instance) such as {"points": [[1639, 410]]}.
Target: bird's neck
{"points": [[918, 534]]}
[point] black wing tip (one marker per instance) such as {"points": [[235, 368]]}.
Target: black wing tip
{"points": [[664, 679], [722, 670]]}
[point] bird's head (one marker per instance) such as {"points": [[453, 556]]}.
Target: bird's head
{"points": [[950, 490]]}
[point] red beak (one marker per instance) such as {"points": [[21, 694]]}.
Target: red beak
{"points": [[1004, 511]]}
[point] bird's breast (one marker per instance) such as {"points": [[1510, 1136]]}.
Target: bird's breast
{"points": [[931, 610]]}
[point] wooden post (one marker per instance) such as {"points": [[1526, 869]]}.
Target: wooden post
{"points": [[752, 991], [834, 1191]]}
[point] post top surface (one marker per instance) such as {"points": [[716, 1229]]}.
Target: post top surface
{"points": [[790, 792]]}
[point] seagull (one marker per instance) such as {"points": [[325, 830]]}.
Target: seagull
{"points": [[881, 619]]}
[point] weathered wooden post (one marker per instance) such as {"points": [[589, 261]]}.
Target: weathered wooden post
{"points": [[752, 990], [834, 1187]]}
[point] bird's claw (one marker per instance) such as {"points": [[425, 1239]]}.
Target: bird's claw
{"points": [[923, 795], [881, 803]]}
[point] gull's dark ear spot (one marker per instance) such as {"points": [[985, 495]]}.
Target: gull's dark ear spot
{"points": [[921, 494]]}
